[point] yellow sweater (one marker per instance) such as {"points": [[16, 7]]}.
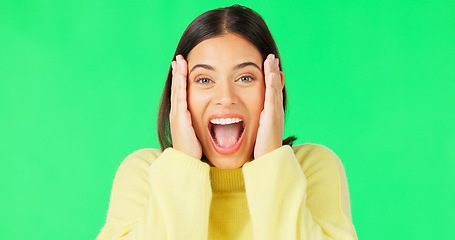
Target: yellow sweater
{"points": [[289, 193]]}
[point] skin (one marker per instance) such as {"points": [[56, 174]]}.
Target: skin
{"points": [[224, 75]]}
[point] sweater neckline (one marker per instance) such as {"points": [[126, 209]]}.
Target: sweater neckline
{"points": [[226, 180]]}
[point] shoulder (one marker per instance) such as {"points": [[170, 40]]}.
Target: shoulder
{"points": [[312, 150], [132, 175], [326, 180], [145, 155], [315, 158], [131, 186], [138, 162], [141, 158]]}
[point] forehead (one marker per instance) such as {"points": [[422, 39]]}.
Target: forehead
{"points": [[228, 49]]}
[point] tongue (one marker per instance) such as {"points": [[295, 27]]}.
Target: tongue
{"points": [[226, 135]]}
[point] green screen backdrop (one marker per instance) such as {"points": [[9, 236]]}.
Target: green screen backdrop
{"points": [[80, 83]]}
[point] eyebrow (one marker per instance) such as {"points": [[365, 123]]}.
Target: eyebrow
{"points": [[238, 66], [246, 64], [205, 66]]}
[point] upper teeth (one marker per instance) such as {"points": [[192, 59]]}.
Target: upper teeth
{"points": [[224, 121]]}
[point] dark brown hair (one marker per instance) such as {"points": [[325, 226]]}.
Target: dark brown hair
{"points": [[234, 19]]}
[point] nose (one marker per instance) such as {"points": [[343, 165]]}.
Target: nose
{"points": [[225, 95]]}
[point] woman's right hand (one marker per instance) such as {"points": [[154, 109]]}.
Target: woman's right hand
{"points": [[182, 132]]}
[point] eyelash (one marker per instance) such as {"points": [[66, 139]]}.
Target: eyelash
{"points": [[201, 79], [251, 78]]}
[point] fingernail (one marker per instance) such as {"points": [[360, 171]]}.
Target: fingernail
{"points": [[172, 65]]}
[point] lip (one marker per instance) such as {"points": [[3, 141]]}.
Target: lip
{"points": [[236, 146]]}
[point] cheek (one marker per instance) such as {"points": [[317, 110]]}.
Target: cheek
{"points": [[192, 100], [255, 100], [197, 104]]}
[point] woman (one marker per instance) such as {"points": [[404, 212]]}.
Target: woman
{"points": [[223, 171]]}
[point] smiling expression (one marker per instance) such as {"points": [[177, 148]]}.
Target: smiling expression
{"points": [[225, 98]]}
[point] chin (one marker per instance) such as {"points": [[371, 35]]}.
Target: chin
{"points": [[227, 162]]}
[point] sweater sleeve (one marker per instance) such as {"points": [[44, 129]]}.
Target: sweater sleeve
{"points": [[298, 195], [159, 196]]}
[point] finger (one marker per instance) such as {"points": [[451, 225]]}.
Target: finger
{"points": [[275, 68], [268, 78], [280, 73], [273, 103], [183, 65], [267, 62], [173, 82], [277, 78], [272, 78], [173, 66], [181, 91], [174, 86], [271, 65]]}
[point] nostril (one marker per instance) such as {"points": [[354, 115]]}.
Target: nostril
{"points": [[225, 101], [225, 94]]}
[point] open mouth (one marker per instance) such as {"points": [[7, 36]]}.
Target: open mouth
{"points": [[226, 133]]}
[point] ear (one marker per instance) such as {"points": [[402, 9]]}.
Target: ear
{"points": [[282, 79]]}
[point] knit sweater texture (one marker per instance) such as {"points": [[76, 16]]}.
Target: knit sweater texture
{"points": [[290, 193]]}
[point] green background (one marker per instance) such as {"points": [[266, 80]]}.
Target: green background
{"points": [[80, 83]]}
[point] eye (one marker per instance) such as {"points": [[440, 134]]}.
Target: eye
{"points": [[203, 80], [246, 79]]}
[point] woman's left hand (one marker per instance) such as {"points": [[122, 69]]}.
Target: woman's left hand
{"points": [[271, 123]]}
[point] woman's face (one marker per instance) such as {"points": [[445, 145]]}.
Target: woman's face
{"points": [[225, 98]]}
